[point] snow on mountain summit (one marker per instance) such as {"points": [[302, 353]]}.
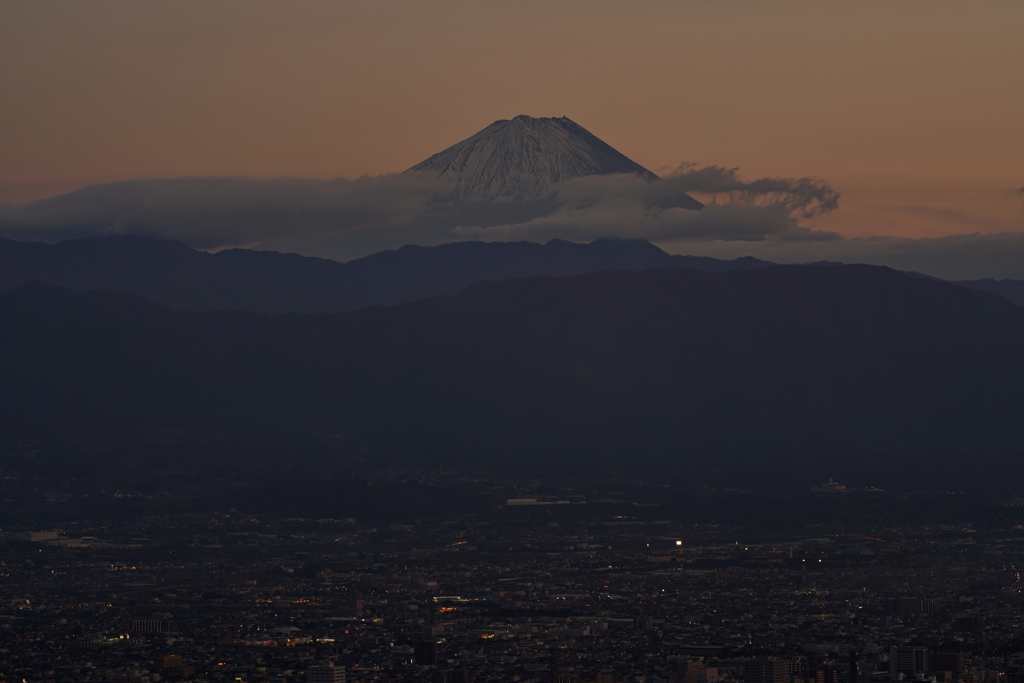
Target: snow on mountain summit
{"points": [[523, 158]]}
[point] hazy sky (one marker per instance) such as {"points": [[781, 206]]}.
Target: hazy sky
{"points": [[912, 110]]}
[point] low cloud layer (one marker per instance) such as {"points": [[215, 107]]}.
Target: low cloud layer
{"points": [[627, 206], [348, 218], [209, 213], [975, 256], [344, 219], [804, 197]]}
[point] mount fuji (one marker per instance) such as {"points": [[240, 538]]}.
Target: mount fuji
{"points": [[524, 158]]}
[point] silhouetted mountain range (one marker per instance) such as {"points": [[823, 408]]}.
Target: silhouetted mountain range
{"points": [[763, 373], [175, 275], [1012, 290]]}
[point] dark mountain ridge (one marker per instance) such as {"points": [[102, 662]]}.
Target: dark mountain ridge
{"points": [[768, 374], [1011, 290], [177, 276]]}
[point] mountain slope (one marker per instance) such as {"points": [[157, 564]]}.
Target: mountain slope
{"points": [[1011, 290], [761, 372], [172, 274], [524, 158]]}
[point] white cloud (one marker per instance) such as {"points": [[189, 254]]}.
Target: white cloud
{"points": [[348, 218]]}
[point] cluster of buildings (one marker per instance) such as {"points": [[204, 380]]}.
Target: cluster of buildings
{"points": [[507, 596]]}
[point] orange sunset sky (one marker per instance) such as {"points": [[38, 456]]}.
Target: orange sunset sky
{"points": [[912, 110]]}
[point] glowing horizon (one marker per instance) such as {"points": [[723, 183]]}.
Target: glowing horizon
{"points": [[910, 111]]}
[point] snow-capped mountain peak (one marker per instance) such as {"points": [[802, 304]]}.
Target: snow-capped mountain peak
{"points": [[523, 158]]}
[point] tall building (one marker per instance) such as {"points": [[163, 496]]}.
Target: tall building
{"points": [[426, 653], [908, 661], [556, 677], [36, 536], [690, 672], [912, 606], [825, 674], [766, 670], [325, 672], [154, 626], [830, 486], [947, 661], [969, 623]]}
